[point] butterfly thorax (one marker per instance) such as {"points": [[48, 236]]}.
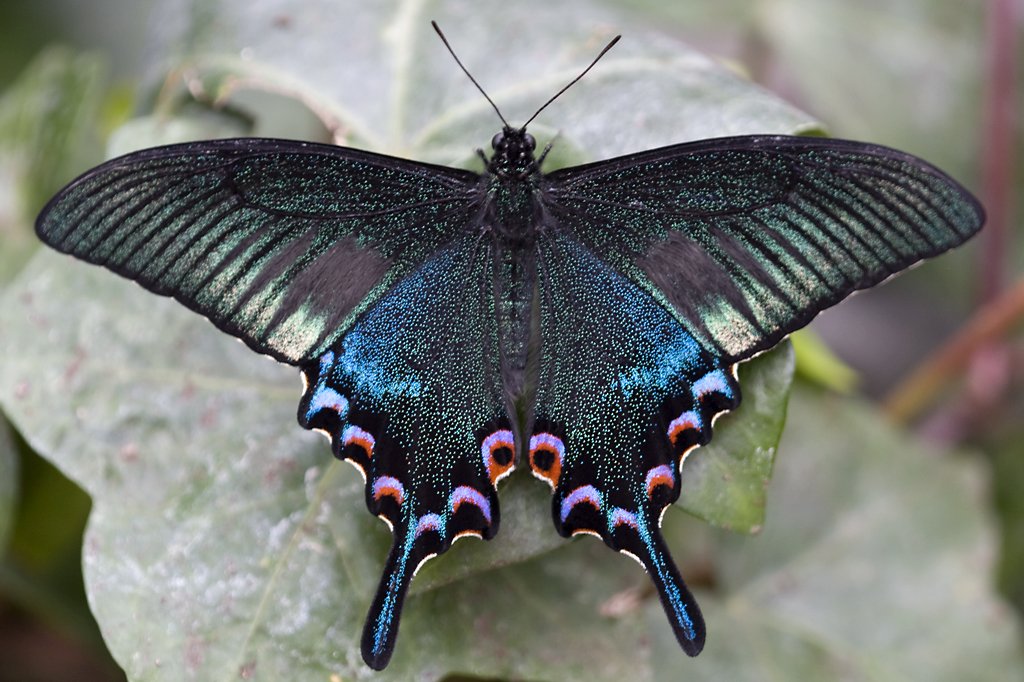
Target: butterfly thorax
{"points": [[512, 178]]}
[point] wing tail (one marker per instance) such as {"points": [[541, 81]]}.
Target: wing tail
{"points": [[637, 534]]}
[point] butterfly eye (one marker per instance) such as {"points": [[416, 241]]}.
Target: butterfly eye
{"points": [[497, 140], [529, 142]]}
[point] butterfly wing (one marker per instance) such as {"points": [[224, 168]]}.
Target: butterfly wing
{"points": [[624, 392], [281, 244], [413, 396], [659, 271], [357, 267], [746, 239]]}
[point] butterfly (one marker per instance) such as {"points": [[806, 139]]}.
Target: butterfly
{"points": [[451, 326]]}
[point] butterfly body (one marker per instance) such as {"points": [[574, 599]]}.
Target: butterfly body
{"points": [[452, 326], [511, 216]]}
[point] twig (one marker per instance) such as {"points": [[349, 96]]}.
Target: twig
{"points": [[990, 325]]}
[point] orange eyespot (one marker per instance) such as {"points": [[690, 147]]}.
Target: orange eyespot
{"points": [[546, 452], [659, 476], [498, 451], [388, 486]]}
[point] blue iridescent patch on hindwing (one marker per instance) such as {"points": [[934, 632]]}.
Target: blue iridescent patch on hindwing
{"points": [[412, 396], [624, 393]]}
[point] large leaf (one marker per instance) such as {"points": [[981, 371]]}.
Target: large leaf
{"points": [[224, 540], [725, 482], [876, 563], [379, 73]]}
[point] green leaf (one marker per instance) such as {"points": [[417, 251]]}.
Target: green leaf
{"points": [[152, 131], [817, 363], [380, 75], [224, 540], [725, 481], [47, 133], [875, 564], [1006, 443]]}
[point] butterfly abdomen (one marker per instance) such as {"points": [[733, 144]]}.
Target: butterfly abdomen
{"points": [[515, 300]]}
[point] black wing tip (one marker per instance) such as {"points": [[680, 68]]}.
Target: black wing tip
{"points": [[41, 229], [44, 227], [380, 631], [692, 646], [691, 637], [231, 144], [379, 659]]}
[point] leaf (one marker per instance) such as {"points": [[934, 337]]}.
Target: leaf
{"points": [[224, 540], [875, 564], [1006, 443], [725, 482], [396, 90], [47, 133], [815, 362], [152, 131]]}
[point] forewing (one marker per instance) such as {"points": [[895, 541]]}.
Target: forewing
{"points": [[279, 243], [746, 239], [413, 396]]}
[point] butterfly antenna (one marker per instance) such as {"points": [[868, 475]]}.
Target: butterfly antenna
{"points": [[468, 74], [571, 83]]}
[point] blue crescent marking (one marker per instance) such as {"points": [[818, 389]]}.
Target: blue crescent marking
{"points": [[464, 493], [586, 493], [327, 398], [712, 382], [621, 516], [428, 522]]}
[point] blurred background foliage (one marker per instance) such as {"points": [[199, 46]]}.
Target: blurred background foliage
{"points": [[938, 352]]}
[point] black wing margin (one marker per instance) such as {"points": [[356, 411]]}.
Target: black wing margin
{"points": [[279, 243], [746, 239]]}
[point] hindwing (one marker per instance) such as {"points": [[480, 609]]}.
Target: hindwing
{"points": [[624, 392], [412, 395]]}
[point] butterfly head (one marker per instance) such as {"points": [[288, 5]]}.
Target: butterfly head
{"points": [[513, 157], [513, 153]]}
